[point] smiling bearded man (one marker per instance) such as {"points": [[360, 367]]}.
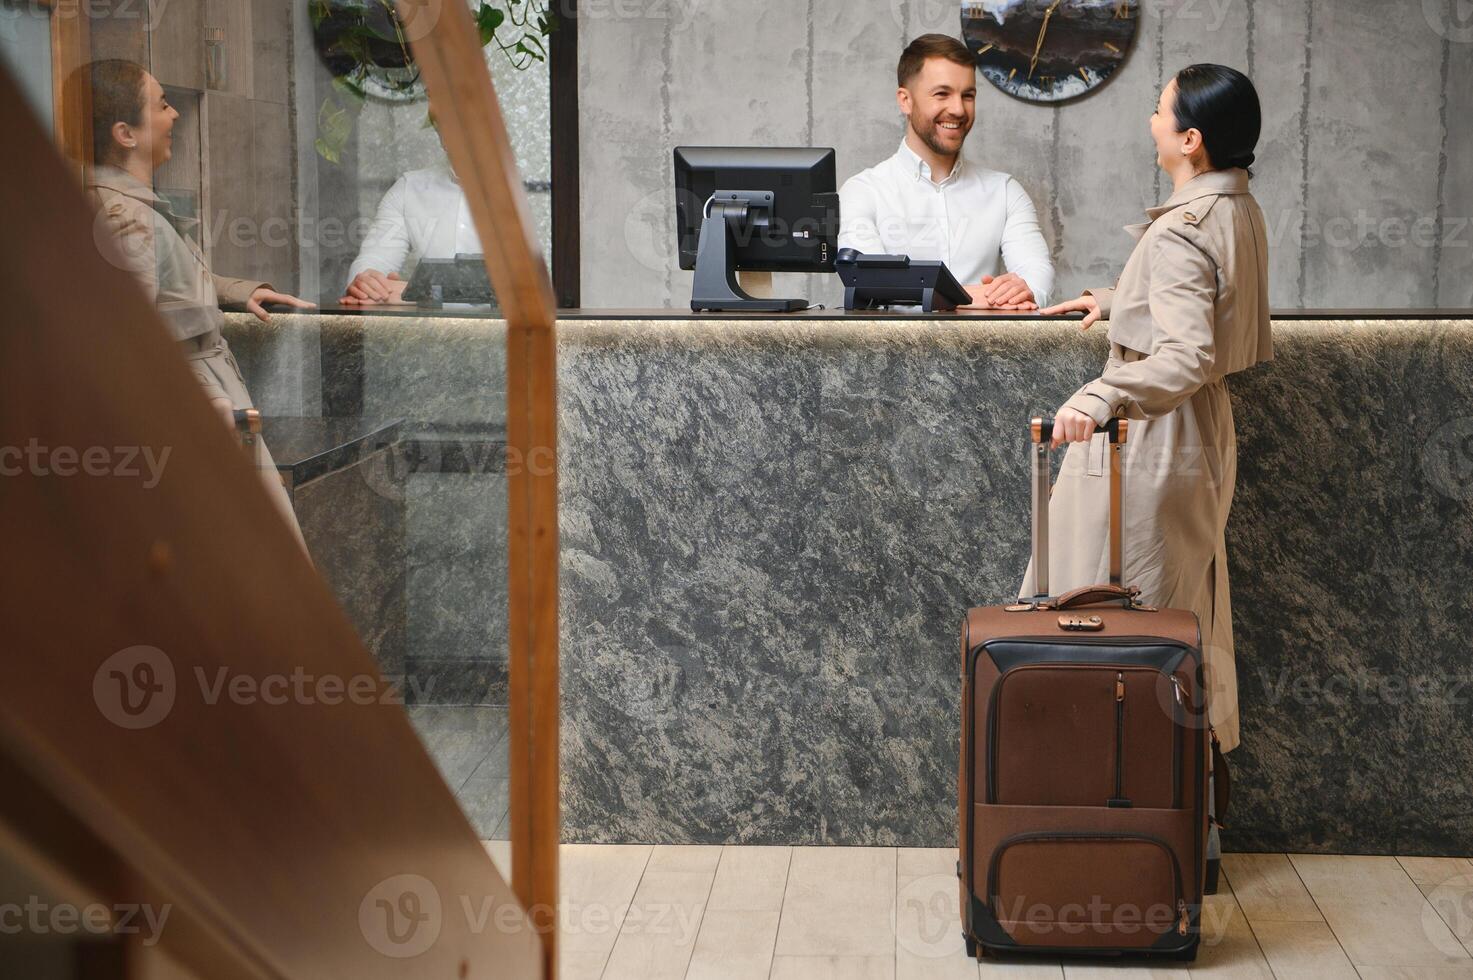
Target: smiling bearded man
{"points": [[929, 203]]}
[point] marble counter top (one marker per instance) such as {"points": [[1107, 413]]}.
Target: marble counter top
{"points": [[770, 530]]}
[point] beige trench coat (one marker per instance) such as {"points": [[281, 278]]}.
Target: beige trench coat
{"points": [[137, 230], [1190, 308]]}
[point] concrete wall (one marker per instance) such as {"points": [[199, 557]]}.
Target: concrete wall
{"points": [[1363, 170]]}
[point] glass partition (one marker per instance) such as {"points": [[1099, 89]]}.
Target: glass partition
{"points": [[25, 50], [290, 151]]}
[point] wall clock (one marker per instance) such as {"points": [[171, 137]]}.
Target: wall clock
{"points": [[1049, 51]]}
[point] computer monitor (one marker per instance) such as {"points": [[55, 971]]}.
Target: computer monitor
{"points": [[753, 209]]}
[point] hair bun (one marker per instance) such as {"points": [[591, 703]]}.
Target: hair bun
{"points": [[1244, 161]]}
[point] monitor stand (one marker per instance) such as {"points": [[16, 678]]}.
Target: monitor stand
{"points": [[716, 286]]}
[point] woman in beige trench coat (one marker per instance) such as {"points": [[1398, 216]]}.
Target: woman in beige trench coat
{"points": [[1190, 308], [132, 135]]}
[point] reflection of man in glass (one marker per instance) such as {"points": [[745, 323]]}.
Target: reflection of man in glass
{"points": [[424, 213]]}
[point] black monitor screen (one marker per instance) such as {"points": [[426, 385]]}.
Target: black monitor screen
{"points": [[802, 234]]}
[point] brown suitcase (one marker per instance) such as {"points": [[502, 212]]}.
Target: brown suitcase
{"points": [[1084, 762]]}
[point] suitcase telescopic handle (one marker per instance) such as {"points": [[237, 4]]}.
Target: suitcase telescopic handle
{"points": [[1040, 431]]}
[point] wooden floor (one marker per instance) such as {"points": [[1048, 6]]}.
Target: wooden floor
{"points": [[833, 913]]}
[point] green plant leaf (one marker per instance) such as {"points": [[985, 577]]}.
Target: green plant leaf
{"points": [[350, 88], [488, 19], [328, 152], [336, 118]]}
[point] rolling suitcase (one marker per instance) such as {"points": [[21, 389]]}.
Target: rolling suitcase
{"points": [[1084, 763]]}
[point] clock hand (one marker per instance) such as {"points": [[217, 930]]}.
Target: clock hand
{"points": [[1032, 64]]}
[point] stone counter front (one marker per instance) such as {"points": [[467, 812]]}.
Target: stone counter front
{"points": [[770, 530]]}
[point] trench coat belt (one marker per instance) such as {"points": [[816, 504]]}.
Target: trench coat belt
{"points": [[204, 346], [1097, 457]]}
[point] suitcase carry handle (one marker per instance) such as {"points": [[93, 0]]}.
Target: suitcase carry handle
{"points": [[1040, 431], [1089, 595]]}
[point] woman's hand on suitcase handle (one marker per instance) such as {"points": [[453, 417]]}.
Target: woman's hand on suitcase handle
{"points": [[1087, 305], [1072, 426], [224, 408]]}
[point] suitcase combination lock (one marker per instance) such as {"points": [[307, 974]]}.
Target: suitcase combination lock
{"points": [[1081, 624]]}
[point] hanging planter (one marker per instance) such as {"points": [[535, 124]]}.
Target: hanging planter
{"points": [[363, 45]]}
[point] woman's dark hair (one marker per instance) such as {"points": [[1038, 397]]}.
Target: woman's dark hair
{"points": [[1222, 104], [114, 88]]}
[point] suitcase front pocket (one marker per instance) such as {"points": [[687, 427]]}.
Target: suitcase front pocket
{"points": [[1086, 889], [1084, 735]]}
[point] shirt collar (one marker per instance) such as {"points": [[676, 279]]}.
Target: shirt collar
{"points": [[912, 164], [1231, 181]]}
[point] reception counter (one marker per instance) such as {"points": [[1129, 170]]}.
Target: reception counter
{"points": [[771, 528]]}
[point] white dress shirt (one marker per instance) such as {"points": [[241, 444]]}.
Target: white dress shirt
{"points": [[976, 221], [426, 213]]}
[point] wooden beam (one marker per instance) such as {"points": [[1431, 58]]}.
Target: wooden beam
{"points": [[70, 108], [187, 716], [448, 51]]}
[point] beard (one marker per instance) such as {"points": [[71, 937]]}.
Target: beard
{"points": [[929, 130]]}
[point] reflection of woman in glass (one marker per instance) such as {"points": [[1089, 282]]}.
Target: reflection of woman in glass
{"points": [[132, 126]]}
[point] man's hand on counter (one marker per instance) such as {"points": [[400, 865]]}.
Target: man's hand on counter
{"points": [[371, 286], [1005, 292], [256, 304]]}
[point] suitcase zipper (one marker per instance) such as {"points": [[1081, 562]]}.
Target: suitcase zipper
{"points": [[1183, 920], [1176, 716], [992, 725], [1119, 800]]}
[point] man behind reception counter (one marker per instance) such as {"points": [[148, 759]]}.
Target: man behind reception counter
{"points": [[930, 203], [425, 214]]}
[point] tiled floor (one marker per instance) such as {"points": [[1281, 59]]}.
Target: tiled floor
{"points": [[468, 743], [835, 913]]}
